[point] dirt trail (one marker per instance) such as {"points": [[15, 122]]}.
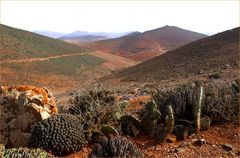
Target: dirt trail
{"points": [[112, 62], [40, 59]]}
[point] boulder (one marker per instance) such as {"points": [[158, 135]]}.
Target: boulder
{"points": [[20, 108]]}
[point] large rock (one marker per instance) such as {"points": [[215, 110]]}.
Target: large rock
{"points": [[20, 108]]}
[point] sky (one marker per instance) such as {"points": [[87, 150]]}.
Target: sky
{"points": [[118, 16]]}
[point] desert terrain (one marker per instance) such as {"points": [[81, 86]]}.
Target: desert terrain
{"points": [[167, 92]]}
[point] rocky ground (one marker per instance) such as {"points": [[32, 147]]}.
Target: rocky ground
{"points": [[220, 141]]}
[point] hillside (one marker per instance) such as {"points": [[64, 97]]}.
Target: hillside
{"points": [[215, 55], [29, 58], [82, 39], [17, 44], [153, 42]]}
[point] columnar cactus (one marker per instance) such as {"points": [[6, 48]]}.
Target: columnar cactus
{"points": [[167, 126], [198, 106]]}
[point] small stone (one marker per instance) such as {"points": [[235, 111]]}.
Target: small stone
{"points": [[201, 72], [199, 142], [183, 145], [227, 147], [171, 139], [179, 150]]}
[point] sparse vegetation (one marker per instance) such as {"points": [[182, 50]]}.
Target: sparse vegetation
{"points": [[172, 108], [69, 66], [23, 44]]}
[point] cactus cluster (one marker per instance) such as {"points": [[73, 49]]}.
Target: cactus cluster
{"points": [[61, 134], [222, 102], [115, 147], [24, 153], [158, 122]]}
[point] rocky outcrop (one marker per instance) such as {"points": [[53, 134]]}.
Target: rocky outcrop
{"points": [[20, 108]]}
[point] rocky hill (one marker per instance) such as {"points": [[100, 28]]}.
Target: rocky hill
{"points": [[142, 46], [213, 55]]}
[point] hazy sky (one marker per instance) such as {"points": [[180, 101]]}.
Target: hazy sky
{"points": [[69, 16]]}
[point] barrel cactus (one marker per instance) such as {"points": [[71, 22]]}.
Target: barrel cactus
{"points": [[24, 153], [115, 147], [61, 134]]}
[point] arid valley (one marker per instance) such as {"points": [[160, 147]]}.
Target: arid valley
{"points": [[164, 92]]}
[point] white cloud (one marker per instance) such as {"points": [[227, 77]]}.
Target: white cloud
{"points": [[68, 16]]}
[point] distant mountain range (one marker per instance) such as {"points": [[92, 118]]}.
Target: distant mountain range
{"points": [[104, 34], [81, 33], [50, 33], [82, 39], [146, 45]]}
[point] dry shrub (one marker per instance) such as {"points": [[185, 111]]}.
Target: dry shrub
{"points": [[96, 107]]}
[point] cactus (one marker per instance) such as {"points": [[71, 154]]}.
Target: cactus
{"points": [[61, 134], [150, 118], [198, 106], [164, 129], [106, 130], [2, 148], [115, 147], [24, 153], [169, 119], [130, 125]]}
